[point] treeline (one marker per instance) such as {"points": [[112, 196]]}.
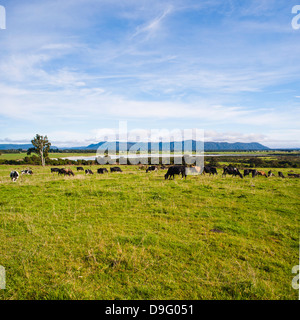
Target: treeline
{"points": [[35, 160], [255, 162], [219, 162]]}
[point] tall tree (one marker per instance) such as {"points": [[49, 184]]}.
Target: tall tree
{"points": [[41, 147]]}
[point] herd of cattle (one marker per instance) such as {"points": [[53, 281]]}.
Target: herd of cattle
{"points": [[172, 171]]}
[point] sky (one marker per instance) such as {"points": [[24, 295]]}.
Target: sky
{"points": [[74, 69]]}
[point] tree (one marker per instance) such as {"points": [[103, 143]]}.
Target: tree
{"points": [[41, 147]]}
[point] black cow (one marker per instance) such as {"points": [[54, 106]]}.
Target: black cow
{"points": [[248, 171], [115, 169], [210, 170], [80, 169], [163, 167], [102, 170], [175, 170], [233, 171], [14, 175], [55, 169], [88, 171], [27, 171], [151, 168], [280, 175], [66, 172], [294, 175]]}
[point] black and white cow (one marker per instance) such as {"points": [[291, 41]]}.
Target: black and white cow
{"points": [[27, 171], [14, 175], [271, 174], [151, 168], [88, 171]]}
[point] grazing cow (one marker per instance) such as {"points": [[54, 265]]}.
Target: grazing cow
{"points": [[88, 171], [195, 170], [210, 170], [66, 172], [280, 175], [102, 170], [55, 169], [115, 169], [163, 167], [271, 174], [142, 166], [151, 168], [175, 170], [27, 171], [294, 175], [248, 171], [233, 171], [14, 175], [262, 173], [80, 169]]}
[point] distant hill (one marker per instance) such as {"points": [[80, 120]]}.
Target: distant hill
{"points": [[188, 145], [18, 146], [15, 146]]}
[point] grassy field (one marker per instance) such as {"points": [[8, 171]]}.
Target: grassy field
{"points": [[133, 235]]}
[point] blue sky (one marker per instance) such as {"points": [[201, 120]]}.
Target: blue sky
{"points": [[73, 69]]}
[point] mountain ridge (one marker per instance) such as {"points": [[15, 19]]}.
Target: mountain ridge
{"points": [[188, 145]]}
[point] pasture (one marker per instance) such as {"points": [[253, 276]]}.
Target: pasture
{"points": [[134, 235]]}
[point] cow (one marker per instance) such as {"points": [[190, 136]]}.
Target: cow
{"points": [[88, 171], [195, 170], [80, 169], [262, 173], [142, 166], [102, 170], [271, 174], [233, 171], [248, 171], [115, 169], [163, 167], [55, 170], [14, 175], [66, 172], [280, 175], [27, 171], [294, 175], [151, 168], [175, 170], [210, 170]]}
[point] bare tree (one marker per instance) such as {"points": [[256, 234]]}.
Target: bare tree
{"points": [[41, 147]]}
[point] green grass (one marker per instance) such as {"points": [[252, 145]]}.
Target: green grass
{"points": [[133, 235]]}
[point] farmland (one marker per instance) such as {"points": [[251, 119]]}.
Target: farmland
{"points": [[133, 235]]}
